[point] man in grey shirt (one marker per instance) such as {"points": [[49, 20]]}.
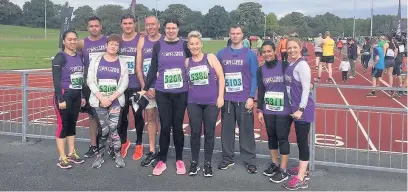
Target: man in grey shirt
{"points": [[318, 49]]}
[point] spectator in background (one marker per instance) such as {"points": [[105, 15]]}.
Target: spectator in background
{"points": [[246, 43], [344, 67], [366, 54], [352, 55], [282, 48], [339, 45], [229, 42], [259, 44]]}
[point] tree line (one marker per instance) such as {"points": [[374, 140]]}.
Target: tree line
{"points": [[213, 24]]}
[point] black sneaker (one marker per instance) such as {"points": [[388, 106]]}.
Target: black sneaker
{"points": [[329, 80], [252, 169], [280, 176], [224, 165], [111, 152], [371, 94], [149, 160], [207, 170], [194, 168], [92, 151], [273, 168]]}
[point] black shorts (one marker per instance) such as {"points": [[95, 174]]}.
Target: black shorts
{"points": [[389, 63], [318, 54], [376, 73], [87, 108], [327, 59], [398, 67]]}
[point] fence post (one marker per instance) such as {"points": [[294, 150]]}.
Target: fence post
{"points": [[312, 137], [24, 106]]}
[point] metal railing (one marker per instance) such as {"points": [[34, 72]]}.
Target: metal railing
{"points": [[350, 134]]}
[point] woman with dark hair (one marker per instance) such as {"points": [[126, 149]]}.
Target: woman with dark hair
{"points": [[391, 51], [366, 54], [168, 72], [274, 111], [67, 72], [108, 79]]}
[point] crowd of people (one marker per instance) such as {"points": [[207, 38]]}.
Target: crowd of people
{"points": [[107, 76], [384, 55]]}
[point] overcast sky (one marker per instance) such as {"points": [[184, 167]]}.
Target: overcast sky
{"points": [[280, 7]]}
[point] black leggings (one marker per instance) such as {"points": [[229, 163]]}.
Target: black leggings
{"points": [[364, 60], [199, 115], [67, 118], [124, 122], [278, 128], [172, 107], [302, 129]]}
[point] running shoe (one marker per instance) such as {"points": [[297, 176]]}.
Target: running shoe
{"points": [[92, 151], [329, 80], [280, 176], [207, 170], [98, 161], [124, 148], [138, 154], [252, 169], [317, 80], [149, 160], [294, 172], [181, 167], [295, 183], [272, 169], [63, 163], [75, 158], [120, 162], [160, 167], [225, 165], [371, 94], [194, 168], [111, 152]]}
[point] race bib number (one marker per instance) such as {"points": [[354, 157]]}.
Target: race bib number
{"points": [[146, 66], [94, 55], [107, 87], [130, 61], [401, 48], [233, 82], [77, 80], [274, 101], [199, 75], [173, 79]]}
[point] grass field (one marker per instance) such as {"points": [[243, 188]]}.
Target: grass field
{"points": [[26, 48]]}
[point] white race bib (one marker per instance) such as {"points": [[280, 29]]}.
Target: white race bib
{"points": [[146, 66], [233, 82], [401, 48], [199, 75], [274, 101], [173, 79], [107, 86], [130, 60], [77, 80]]}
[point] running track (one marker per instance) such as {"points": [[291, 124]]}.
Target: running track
{"points": [[334, 127]]}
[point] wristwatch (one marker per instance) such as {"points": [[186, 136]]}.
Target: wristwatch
{"points": [[301, 109]]}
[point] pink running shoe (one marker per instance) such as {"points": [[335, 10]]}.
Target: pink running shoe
{"points": [[181, 168], [160, 167]]}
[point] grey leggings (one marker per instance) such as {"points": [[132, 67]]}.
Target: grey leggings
{"points": [[108, 119]]}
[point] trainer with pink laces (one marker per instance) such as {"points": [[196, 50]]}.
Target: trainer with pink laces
{"points": [[168, 74]]}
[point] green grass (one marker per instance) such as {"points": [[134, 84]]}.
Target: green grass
{"points": [[26, 48]]}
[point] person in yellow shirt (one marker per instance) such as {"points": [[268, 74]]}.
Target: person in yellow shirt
{"points": [[328, 45]]}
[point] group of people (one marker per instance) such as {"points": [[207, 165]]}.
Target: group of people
{"points": [[103, 76], [386, 54]]}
